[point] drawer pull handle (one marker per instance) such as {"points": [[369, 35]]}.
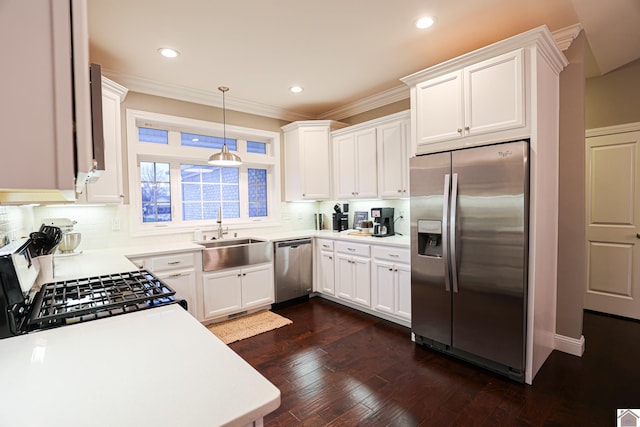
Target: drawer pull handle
{"points": [[174, 262], [394, 255], [176, 275], [351, 249], [326, 246]]}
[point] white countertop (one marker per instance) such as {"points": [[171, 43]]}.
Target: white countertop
{"points": [[401, 241], [156, 367]]}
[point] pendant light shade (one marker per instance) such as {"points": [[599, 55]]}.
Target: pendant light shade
{"points": [[224, 157]]}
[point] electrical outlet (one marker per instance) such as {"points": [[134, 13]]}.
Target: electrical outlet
{"points": [[115, 224]]}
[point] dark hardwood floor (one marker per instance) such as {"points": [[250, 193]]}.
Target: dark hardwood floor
{"points": [[337, 366]]}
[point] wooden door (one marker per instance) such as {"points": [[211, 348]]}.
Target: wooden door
{"points": [[613, 224]]}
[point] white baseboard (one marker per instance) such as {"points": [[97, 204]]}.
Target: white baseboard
{"points": [[570, 345]]}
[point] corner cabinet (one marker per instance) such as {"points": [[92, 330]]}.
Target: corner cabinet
{"points": [[308, 159], [178, 270]]}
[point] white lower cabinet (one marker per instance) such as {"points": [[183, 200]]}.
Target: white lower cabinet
{"points": [[391, 289], [374, 277], [353, 273], [232, 291], [183, 282], [391, 281], [178, 270], [326, 273]]}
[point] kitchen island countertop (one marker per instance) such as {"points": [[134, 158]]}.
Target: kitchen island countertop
{"points": [[155, 367]]}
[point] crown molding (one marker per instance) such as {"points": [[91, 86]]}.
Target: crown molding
{"points": [[389, 96], [563, 38], [119, 90], [187, 94]]}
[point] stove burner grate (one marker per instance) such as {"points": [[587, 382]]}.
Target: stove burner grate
{"points": [[90, 298]]}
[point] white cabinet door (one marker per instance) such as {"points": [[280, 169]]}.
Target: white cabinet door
{"points": [[362, 281], [383, 287], [366, 185], [222, 293], [393, 160], [344, 161], [482, 98], [440, 110], [403, 299], [494, 94], [184, 283], [108, 188], [36, 105], [315, 167], [344, 277], [326, 273], [257, 286]]}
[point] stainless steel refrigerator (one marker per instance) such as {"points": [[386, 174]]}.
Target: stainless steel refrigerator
{"points": [[469, 239]]}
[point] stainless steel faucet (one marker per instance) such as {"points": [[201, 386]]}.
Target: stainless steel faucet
{"points": [[221, 232]]}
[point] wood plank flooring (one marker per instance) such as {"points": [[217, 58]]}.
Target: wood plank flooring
{"points": [[340, 367]]}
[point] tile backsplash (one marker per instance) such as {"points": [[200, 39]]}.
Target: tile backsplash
{"points": [[107, 226]]}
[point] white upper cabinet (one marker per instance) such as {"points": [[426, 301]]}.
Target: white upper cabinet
{"points": [[307, 159], [393, 159], [355, 164], [44, 106], [481, 98], [109, 188]]}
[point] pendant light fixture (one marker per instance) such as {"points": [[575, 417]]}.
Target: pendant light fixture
{"points": [[224, 157]]}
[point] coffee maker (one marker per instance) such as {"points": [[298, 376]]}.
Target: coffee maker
{"points": [[382, 222], [340, 219]]}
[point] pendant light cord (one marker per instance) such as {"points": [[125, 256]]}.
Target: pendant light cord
{"points": [[223, 89]]}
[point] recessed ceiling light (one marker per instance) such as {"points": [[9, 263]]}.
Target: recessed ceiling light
{"points": [[167, 52], [295, 89], [425, 22]]}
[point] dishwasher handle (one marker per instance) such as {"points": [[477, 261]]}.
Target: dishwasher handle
{"points": [[293, 243]]}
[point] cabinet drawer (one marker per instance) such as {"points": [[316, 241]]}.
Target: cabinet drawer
{"points": [[391, 253], [325, 245], [352, 248], [171, 262]]}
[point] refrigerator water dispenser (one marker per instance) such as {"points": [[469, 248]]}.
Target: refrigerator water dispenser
{"points": [[430, 238]]}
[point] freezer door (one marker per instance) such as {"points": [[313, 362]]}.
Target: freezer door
{"points": [[490, 247], [430, 287]]}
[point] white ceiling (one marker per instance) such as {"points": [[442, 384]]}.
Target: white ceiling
{"points": [[340, 51]]}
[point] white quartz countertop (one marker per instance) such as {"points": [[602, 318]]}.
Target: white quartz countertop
{"points": [[401, 241], [156, 367]]}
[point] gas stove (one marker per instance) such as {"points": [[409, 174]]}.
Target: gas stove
{"points": [[73, 301]]}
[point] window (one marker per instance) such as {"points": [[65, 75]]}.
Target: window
{"points": [[156, 192], [174, 188], [257, 192]]}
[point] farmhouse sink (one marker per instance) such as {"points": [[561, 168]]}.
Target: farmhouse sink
{"points": [[227, 253]]}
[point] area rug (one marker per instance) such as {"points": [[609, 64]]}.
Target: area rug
{"points": [[248, 326]]}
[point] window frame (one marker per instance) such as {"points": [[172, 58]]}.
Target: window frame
{"points": [[176, 154]]}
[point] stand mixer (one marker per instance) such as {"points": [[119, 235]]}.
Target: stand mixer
{"points": [[70, 239]]}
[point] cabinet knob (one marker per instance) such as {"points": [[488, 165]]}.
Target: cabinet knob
{"points": [[459, 130], [466, 128], [304, 195], [399, 191]]}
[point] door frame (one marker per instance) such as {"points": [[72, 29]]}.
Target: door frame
{"points": [[596, 132]]}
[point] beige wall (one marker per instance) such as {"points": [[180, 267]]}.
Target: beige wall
{"points": [[395, 107], [614, 99], [571, 221]]}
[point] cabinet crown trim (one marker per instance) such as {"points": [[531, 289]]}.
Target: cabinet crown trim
{"points": [[539, 37], [402, 115]]}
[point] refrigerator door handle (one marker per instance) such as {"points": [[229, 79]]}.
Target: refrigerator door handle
{"points": [[452, 226], [445, 232]]}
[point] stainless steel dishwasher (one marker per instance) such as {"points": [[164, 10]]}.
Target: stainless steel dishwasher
{"points": [[293, 269]]}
